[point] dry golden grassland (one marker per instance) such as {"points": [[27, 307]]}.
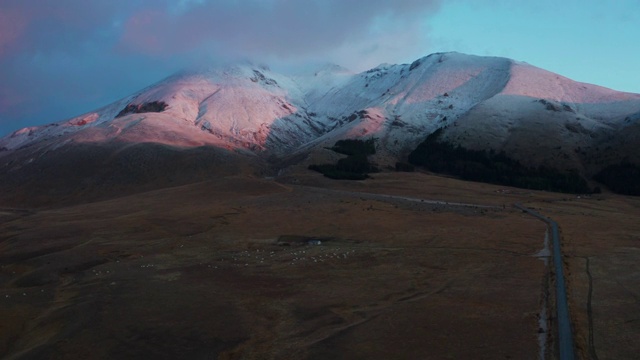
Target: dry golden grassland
{"points": [[224, 269]]}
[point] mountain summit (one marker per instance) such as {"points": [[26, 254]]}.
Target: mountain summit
{"points": [[482, 103]]}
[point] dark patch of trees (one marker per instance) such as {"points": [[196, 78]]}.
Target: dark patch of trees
{"points": [[355, 166], [153, 106], [355, 147], [491, 167], [404, 167], [621, 178]]}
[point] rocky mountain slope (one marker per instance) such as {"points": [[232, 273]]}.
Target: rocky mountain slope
{"points": [[251, 112]]}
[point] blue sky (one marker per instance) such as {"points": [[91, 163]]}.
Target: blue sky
{"points": [[588, 41], [61, 58]]}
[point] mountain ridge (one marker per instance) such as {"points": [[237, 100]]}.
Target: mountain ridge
{"points": [[483, 103], [335, 93]]}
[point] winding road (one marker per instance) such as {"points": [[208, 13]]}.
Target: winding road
{"points": [[565, 335]]}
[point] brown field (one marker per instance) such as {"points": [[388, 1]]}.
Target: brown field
{"points": [[224, 269]]}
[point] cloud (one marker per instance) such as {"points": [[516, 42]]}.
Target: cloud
{"points": [[282, 28], [52, 25], [285, 28], [12, 26], [59, 58]]}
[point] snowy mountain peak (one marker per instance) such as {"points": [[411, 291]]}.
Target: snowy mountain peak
{"points": [[330, 68], [251, 109]]}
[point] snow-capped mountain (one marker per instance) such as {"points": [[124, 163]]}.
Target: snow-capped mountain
{"points": [[536, 116], [237, 107]]}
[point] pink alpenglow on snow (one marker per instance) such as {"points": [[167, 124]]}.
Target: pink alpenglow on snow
{"points": [[254, 110]]}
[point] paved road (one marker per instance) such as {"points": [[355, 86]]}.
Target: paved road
{"points": [[397, 197], [565, 334]]}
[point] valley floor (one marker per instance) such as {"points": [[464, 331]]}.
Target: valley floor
{"points": [[309, 268]]}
